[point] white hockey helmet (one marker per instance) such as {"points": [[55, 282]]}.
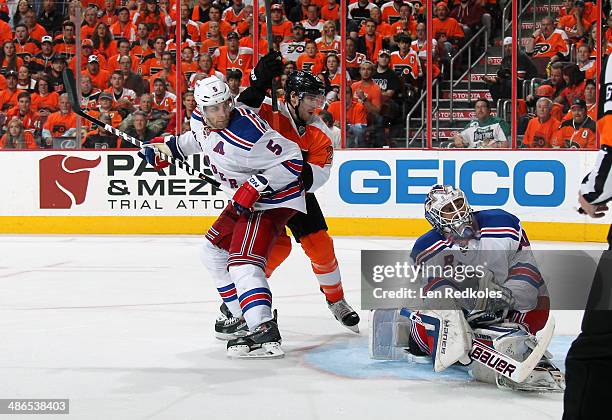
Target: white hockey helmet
{"points": [[211, 91], [448, 211]]}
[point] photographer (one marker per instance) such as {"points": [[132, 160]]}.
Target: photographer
{"points": [[500, 85]]}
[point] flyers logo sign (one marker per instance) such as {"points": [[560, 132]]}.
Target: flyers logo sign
{"points": [[63, 180]]}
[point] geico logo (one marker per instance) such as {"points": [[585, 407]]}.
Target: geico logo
{"points": [[377, 181]]}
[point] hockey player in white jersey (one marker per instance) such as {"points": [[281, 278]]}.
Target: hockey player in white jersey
{"points": [[505, 320], [297, 121], [262, 168]]}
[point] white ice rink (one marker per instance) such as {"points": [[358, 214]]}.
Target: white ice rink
{"points": [[123, 327]]}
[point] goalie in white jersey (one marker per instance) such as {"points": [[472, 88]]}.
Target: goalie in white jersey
{"points": [[505, 320], [262, 168]]}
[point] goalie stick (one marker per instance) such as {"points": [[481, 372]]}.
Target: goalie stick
{"points": [[70, 83], [484, 354]]}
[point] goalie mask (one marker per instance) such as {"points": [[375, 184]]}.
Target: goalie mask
{"points": [[447, 210]]}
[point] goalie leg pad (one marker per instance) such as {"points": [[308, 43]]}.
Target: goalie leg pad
{"points": [[389, 335]]}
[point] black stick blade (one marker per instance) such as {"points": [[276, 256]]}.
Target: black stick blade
{"points": [[70, 85]]}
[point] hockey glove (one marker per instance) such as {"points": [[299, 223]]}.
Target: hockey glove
{"points": [[246, 196], [150, 151], [495, 304], [267, 68]]}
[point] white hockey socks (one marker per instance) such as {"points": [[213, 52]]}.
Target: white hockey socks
{"points": [[253, 293], [215, 260]]}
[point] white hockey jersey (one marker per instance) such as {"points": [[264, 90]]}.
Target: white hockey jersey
{"points": [[500, 244], [248, 146]]}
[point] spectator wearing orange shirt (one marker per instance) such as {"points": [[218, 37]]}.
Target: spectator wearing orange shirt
{"points": [[212, 39], [43, 100], [590, 98], [6, 32], [8, 96], [405, 24], [162, 99], [99, 77], [585, 63], [353, 58], [151, 63], [329, 42], [311, 60], [65, 43], [541, 128], [233, 56], [90, 18], [167, 72], [123, 28], [200, 11], [576, 23], [391, 11], [142, 46], [234, 13], [447, 30], [188, 66], [60, 123], [330, 11], [105, 106], [103, 41], [577, 133], [23, 112], [35, 30], [368, 93], [371, 42], [356, 118], [214, 13], [281, 27], [109, 14], [153, 17], [123, 50], [16, 137], [87, 50], [548, 43], [574, 85], [25, 47], [8, 58], [382, 27]]}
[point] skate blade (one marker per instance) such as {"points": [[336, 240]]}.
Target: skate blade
{"points": [[228, 337], [266, 351], [353, 328]]}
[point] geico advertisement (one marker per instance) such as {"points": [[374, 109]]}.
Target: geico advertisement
{"points": [[109, 183], [537, 186]]}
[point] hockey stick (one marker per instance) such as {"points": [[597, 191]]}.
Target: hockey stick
{"points": [[493, 359], [70, 83], [270, 37]]}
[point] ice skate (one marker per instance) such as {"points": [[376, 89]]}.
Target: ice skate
{"points": [[263, 343]]}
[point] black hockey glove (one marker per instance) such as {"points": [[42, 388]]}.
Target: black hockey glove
{"points": [[267, 68]]}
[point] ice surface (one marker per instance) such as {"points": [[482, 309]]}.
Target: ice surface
{"points": [[123, 327]]}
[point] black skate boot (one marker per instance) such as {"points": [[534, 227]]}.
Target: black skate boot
{"points": [[263, 343], [228, 327], [345, 314]]}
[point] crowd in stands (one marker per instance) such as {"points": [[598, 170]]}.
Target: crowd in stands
{"points": [[128, 73], [561, 57]]}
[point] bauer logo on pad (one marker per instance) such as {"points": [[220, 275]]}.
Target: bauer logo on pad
{"points": [[64, 180]]}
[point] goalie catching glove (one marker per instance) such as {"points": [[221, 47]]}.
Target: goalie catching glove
{"points": [[495, 304], [166, 145]]}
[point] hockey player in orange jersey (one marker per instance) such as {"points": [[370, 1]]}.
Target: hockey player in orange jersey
{"points": [[304, 93]]}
